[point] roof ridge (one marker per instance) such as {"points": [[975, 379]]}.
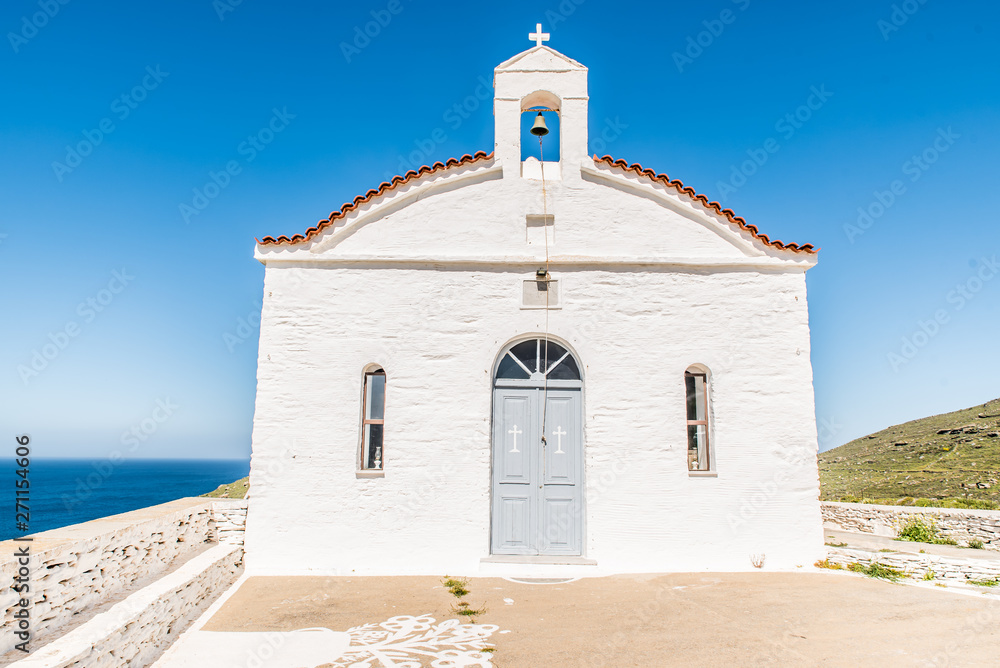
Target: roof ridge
{"points": [[383, 188], [729, 214]]}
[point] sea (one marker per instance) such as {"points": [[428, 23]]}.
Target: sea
{"points": [[70, 491]]}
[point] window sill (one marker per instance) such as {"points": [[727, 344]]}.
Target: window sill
{"points": [[703, 474], [369, 473]]}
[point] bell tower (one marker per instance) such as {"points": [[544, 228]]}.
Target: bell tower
{"points": [[540, 77]]}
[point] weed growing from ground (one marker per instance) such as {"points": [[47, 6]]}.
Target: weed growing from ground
{"points": [[456, 587], [877, 570], [462, 609], [459, 589], [985, 583], [920, 529], [975, 544]]}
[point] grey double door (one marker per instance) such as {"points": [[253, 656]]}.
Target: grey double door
{"points": [[537, 487]]}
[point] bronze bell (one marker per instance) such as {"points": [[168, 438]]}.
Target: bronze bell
{"points": [[539, 129]]}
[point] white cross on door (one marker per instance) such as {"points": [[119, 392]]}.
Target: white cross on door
{"points": [[515, 431], [559, 433]]}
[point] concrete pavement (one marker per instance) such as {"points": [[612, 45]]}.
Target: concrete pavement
{"points": [[720, 619]]}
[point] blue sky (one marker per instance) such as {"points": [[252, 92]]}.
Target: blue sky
{"points": [[158, 359]]}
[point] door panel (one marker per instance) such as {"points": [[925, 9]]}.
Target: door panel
{"points": [[515, 498], [516, 428], [515, 522], [562, 435], [559, 524]]}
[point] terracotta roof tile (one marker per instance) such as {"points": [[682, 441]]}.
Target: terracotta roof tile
{"points": [[368, 196], [715, 206], [482, 155]]}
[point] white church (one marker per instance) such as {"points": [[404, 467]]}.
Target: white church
{"points": [[497, 365]]}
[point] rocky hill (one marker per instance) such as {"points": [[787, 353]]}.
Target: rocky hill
{"points": [[949, 459]]}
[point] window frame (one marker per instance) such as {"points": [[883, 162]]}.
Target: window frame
{"points": [[695, 371], [363, 470]]}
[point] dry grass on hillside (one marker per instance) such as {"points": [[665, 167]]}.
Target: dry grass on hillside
{"points": [[954, 456], [234, 490]]}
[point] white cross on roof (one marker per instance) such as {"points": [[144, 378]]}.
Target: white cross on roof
{"points": [[538, 35]]}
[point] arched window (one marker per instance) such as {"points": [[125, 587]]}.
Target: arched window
{"points": [[373, 420], [537, 359], [699, 456]]}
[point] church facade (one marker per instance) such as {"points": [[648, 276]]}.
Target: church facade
{"points": [[500, 366]]}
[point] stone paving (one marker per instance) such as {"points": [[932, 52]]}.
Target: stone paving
{"points": [[814, 618]]}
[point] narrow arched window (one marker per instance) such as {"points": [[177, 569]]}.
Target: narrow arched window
{"points": [[699, 456], [373, 420]]}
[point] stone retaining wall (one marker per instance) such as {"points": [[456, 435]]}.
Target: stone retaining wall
{"points": [[960, 525], [74, 569], [230, 520], [917, 565], [135, 631]]}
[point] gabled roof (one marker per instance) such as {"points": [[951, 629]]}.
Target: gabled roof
{"points": [[467, 159], [678, 185], [539, 58], [383, 188]]}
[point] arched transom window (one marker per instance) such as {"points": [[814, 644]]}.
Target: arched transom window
{"points": [[538, 359]]}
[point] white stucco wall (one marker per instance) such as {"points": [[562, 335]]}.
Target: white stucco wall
{"points": [[425, 281], [437, 335]]}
